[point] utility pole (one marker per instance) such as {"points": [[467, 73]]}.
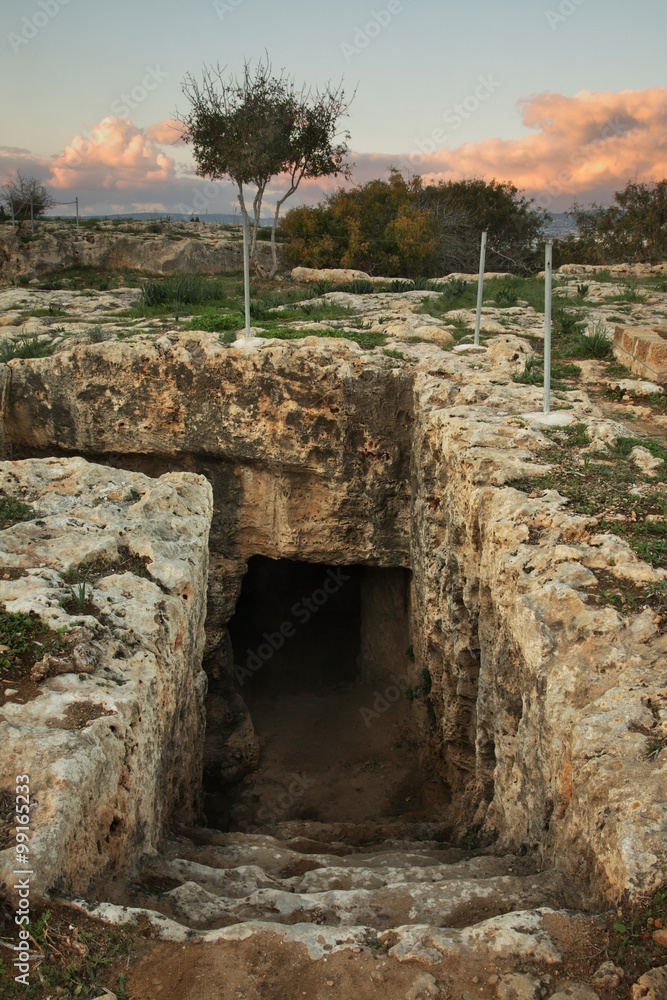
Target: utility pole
{"points": [[246, 274], [548, 270], [480, 287]]}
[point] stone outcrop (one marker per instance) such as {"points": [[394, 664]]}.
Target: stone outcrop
{"points": [[112, 735], [543, 699], [207, 254], [643, 349], [616, 270], [341, 275]]}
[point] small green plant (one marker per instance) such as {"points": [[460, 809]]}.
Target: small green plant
{"points": [[80, 594], [391, 353], [96, 334], [12, 511], [506, 297], [216, 322], [583, 290], [595, 344], [458, 323], [18, 631]]}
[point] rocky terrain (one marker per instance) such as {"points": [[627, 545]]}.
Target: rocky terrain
{"points": [[154, 247], [365, 430]]}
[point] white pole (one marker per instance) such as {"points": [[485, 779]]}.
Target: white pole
{"points": [[480, 287], [77, 213], [548, 262], [246, 274], [32, 217], [11, 205]]}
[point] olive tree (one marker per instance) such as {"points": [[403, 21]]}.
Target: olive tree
{"points": [[20, 192], [258, 126]]}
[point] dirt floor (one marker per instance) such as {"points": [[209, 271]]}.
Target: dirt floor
{"points": [[265, 968], [321, 761]]}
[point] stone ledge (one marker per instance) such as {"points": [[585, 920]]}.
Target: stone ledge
{"points": [[642, 349], [113, 748]]}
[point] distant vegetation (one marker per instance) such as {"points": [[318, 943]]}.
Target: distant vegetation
{"points": [[633, 229], [401, 228]]}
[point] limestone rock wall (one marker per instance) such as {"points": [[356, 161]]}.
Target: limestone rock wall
{"points": [[112, 739], [544, 698], [307, 450], [112, 251]]}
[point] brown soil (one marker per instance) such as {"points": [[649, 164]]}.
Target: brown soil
{"points": [[266, 967], [321, 762]]}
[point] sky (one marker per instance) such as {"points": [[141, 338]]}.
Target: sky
{"points": [[565, 98]]}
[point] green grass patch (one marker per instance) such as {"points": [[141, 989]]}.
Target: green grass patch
{"points": [[27, 347], [390, 352], [599, 486], [631, 943], [13, 511], [216, 322], [367, 339], [48, 311]]}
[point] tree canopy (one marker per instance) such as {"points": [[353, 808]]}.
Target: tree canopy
{"points": [[399, 227], [18, 194], [633, 229], [259, 126]]}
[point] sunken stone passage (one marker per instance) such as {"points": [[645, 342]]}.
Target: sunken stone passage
{"points": [[537, 702], [109, 723]]}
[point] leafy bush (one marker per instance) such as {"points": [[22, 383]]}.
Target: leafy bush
{"points": [[632, 229], [399, 227]]}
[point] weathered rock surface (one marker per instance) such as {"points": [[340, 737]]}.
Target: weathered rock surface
{"points": [[341, 275], [113, 743], [643, 350], [212, 252], [616, 270]]}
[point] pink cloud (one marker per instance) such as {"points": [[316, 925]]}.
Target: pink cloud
{"points": [[115, 154], [584, 146], [167, 131]]}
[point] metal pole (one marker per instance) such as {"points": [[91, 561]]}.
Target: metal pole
{"points": [[77, 213], [548, 262], [246, 274], [480, 287], [32, 217], [11, 205]]}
